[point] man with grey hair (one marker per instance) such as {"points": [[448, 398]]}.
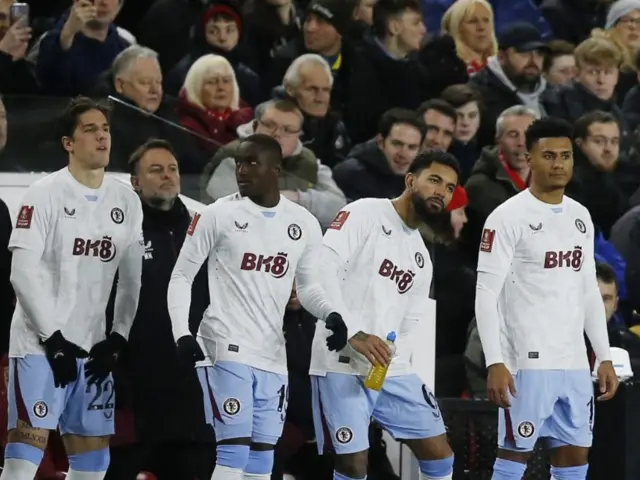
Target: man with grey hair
{"points": [[136, 75], [304, 179], [501, 172], [142, 110], [308, 83]]}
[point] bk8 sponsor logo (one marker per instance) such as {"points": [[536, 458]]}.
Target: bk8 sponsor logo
{"points": [[277, 266], [402, 278], [104, 249], [562, 259]]}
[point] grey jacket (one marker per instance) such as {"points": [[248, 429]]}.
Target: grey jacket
{"points": [[324, 199]]}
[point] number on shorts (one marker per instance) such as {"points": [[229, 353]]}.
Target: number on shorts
{"points": [[430, 398], [97, 402], [284, 397], [591, 412]]}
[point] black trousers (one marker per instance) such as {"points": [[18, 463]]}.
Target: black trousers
{"points": [[167, 461]]}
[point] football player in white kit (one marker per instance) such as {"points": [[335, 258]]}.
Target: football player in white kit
{"points": [[537, 294], [378, 272], [75, 228], [257, 242]]}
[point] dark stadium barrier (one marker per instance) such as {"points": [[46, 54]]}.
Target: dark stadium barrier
{"points": [[473, 426], [33, 143], [616, 442]]}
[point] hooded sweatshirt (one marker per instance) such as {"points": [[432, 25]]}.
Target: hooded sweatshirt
{"points": [[531, 100]]}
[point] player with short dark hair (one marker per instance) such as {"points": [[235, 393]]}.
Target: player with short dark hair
{"points": [[75, 229], [258, 167], [378, 272], [426, 160], [536, 295], [256, 242]]}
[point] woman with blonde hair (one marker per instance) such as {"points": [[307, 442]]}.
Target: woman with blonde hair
{"points": [[471, 24], [209, 102]]}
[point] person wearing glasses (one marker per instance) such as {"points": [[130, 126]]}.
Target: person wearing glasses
{"points": [[303, 179]]}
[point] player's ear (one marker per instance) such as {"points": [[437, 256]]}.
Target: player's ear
{"points": [[67, 144], [409, 180], [135, 183], [578, 142]]}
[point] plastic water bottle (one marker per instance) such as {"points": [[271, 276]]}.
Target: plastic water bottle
{"points": [[377, 373]]}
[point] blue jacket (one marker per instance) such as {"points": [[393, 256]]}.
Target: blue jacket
{"points": [[505, 11], [76, 70], [607, 253]]}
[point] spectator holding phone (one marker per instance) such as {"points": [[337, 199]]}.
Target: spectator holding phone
{"points": [[81, 46], [16, 76]]}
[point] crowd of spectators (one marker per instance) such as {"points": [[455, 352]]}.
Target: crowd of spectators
{"points": [[352, 90]]}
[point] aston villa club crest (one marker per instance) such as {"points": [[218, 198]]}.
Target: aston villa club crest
{"points": [[231, 406], [294, 231], [526, 429], [117, 215], [344, 435]]}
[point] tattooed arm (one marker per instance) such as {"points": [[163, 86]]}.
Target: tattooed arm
{"points": [[373, 348]]}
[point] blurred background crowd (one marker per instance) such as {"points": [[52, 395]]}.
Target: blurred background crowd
{"points": [[353, 90]]}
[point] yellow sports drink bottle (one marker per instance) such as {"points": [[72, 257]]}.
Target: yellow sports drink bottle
{"points": [[377, 373]]}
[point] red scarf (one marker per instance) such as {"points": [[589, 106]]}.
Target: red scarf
{"points": [[220, 115], [474, 66], [515, 178]]}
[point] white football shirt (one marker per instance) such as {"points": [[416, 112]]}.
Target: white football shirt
{"points": [[81, 237], [542, 258], [378, 272], [254, 254]]}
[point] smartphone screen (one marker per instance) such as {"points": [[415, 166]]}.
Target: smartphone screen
{"points": [[19, 12]]}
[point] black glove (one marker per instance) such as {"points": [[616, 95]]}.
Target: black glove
{"points": [[103, 358], [61, 355], [338, 340], [189, 352]]}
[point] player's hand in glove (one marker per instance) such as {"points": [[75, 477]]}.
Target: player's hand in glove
{"points": [[499, 384], [103, 358], [607, 380], [61, 355], [189, 351], [372, 348], [338, 339]]}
